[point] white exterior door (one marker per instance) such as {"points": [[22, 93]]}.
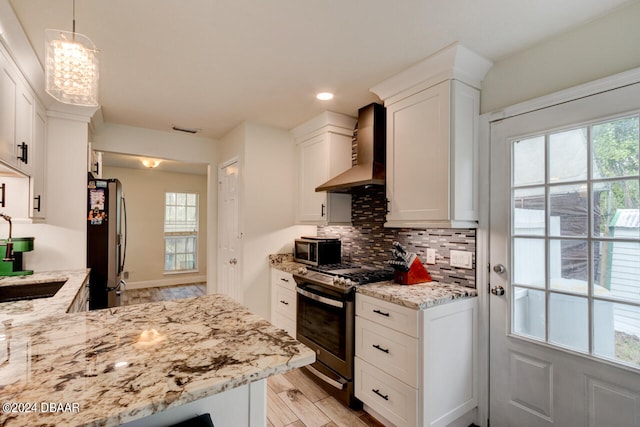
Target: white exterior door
{"points": [[229, 235], [565, 249]]}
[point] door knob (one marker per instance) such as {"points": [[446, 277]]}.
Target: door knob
{"points": [[499, 268], [497, 290]]}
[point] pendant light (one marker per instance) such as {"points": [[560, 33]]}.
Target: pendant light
{"points": [[71, 66]]}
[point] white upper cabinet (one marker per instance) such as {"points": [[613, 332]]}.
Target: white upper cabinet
{"points": [[432, 132], [22, 142], [323, 147], [7, 111], [38, 202], [17, 111]]}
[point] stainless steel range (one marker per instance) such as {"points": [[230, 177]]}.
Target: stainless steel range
{"points": [[326, 321]]}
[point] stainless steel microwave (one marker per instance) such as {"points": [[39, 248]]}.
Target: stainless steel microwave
{"points": [[317, 250]]}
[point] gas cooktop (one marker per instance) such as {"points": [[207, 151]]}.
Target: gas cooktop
{"points": [[342, 276]]}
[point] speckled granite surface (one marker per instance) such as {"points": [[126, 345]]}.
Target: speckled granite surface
{"points": [[27, 311], [284, 262], [125, 363], [419, 296]]}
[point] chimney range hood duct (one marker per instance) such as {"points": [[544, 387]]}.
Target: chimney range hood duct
{"points": [[370, 161]]}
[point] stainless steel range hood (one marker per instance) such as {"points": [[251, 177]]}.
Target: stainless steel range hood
{"points": [[370, 161]]}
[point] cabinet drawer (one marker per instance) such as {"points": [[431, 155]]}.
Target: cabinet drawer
{"points": [[394, 352], [282, 278], [396, 317], [285, 323], [391, 398], [285, 300]]}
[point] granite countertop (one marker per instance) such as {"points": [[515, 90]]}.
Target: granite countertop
{"points": [[125, 363], [419, 296], [27, 311], [284, 262]]}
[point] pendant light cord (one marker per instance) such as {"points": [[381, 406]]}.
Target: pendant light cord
{"points": [[74, 19]]}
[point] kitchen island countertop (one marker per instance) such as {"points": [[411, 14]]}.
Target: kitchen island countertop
{"points": [[120, 364]]}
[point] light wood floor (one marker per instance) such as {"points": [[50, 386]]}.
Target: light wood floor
{"points": [[293, 399]]}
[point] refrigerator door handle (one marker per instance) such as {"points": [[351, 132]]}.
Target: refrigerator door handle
{"points": [[124, 218]]}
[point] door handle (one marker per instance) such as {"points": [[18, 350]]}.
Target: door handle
{"points": [[497, 290]]}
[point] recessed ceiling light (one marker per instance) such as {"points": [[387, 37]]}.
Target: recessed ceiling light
{"points": [[324, 96]]}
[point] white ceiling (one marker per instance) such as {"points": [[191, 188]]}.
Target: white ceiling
{"points": [[135, 162], [212, 64]]}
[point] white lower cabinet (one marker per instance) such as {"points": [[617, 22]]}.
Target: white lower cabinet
{"points": [[416, 367], [283, 301]]}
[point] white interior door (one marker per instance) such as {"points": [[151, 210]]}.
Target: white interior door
{"points": [[229, 235], [565, 249]]}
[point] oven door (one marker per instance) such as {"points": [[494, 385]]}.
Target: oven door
{"points": [[325, 323]]}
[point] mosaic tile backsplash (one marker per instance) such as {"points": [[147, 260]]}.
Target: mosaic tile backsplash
{"points": [[368, 242]]}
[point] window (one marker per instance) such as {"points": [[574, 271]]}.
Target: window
{"points": [[575, 239], [180, 232]]}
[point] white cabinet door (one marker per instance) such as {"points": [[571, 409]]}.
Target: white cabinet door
{"points": [[7, 111], [24, 149], [431, 157], [38, 202], [319, 159], [418, 156], [313, 158]]}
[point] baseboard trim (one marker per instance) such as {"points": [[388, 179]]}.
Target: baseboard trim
{"points": [[172, 281]]}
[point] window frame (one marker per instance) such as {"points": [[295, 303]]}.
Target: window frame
{"points": [[185, 234]]}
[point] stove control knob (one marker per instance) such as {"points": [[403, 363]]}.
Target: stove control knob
{"points": [[302, 270], [349, 282]]}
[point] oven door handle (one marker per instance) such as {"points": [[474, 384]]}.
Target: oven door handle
{"points": [[339, 384], [320, 299]]}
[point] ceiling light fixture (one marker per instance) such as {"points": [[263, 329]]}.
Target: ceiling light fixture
{"points": [[71, 67], [324, 96], [151, 163]]}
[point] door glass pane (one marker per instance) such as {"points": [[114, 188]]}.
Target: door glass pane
{"points": [[616, 270], [528, 161], [568, 265], [568, 156], [568, 321], [616, 332], [568, 210], [529, 312], [528, 262], [528, 211], [616, 207], [615, 148]]}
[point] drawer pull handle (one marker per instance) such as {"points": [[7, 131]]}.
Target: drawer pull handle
{"points": [[284, 280], [384, 350], [284, 302], [377, 391], [382, 313]]}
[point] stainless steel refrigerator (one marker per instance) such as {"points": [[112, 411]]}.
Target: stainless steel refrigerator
{"points": [[106, 242]]}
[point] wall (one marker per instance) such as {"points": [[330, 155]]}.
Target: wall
{"points": [[267, 189], [144, 191], [368, 242], [600, 48]]}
